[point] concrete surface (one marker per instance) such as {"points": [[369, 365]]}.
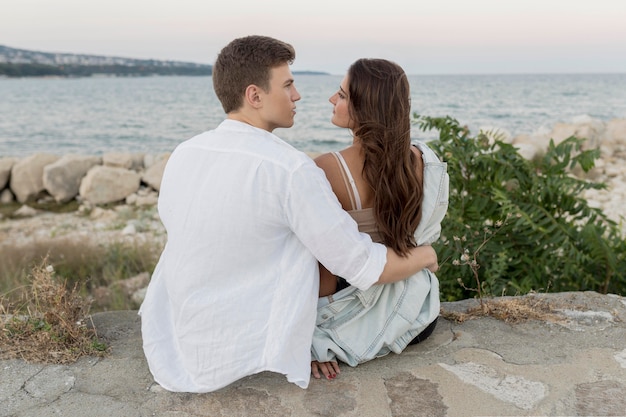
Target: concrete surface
{"points": [[574, 365]]}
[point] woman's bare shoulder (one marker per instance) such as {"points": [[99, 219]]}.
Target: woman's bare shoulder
{"points": [[325, 161], [416, 150]]}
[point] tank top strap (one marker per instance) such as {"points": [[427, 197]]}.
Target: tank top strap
{"points": [[349, 181]]}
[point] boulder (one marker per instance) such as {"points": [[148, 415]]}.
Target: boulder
{"points": [[5, 170], [62, 178], [615, 132], [592, 130], [25, 211], [104, 184], [123, 160], [6, 196], [129, 286], [150, 159], [153, 174], [530, 146], [27, 176], [143, 198]]}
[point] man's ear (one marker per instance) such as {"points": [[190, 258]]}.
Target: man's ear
{"points": [[252, 96]]}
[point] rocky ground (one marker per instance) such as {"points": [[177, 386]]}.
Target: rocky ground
{"points": [[102, 225], [34, 233]]}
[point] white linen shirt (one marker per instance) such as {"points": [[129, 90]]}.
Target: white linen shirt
{"points": [[235, 290]]}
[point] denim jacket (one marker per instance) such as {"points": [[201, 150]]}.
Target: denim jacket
{"points": [[356, 326]]}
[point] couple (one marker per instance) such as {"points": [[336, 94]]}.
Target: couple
{"points": [[238, 289]]}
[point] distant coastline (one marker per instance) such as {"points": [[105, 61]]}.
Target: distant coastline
{"points": [[18, 63], [15, 63], [11, 70]]}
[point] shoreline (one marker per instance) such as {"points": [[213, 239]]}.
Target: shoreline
{"points": [[118, 179], [124, 222]]}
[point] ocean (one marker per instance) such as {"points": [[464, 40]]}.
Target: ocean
{"points": [[153, 114]]}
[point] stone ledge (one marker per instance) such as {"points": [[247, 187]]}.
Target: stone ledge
{"points": [[573, 364]]}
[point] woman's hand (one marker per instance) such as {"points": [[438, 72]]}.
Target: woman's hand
{"points": [[434, 267], [329, 369]]}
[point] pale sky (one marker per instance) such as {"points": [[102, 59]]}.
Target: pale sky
{"points": [[424, 37]]}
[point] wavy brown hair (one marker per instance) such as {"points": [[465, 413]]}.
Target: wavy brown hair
{"points": [[380, 105]]}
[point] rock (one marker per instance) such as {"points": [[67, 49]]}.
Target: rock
{"points": [[6, 196], [25, 211], [530, 146], [102, 296], [139, 295], [139, 199], [592, 130], [104, 184], [564, 365], [153, 175], [131, 285], [130, 229], [62, 178], [27, 176], [150, 159], [5, 170], [616, 132], [123, 160], [98, 213]]}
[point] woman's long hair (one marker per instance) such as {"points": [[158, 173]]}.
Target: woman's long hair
{"points": [[380, 105]]}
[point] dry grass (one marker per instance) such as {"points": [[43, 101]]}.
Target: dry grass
{"points": [[509, 310], [85, 264], [51, 324]]}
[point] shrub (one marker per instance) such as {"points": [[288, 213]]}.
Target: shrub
{"points": [[514, 226], [51, 324]]}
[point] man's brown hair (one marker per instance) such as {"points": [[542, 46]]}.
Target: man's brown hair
{"points": [[246, 61]]}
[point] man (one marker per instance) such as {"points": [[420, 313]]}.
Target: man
{"points": [[247, 218]]}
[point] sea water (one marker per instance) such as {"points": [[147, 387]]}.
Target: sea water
{"points": [[153, 114]]}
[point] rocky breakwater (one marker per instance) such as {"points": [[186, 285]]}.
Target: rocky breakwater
{"points": [[32, 187], [135, 178], [610, 169], [95, 180], [105, 184]]}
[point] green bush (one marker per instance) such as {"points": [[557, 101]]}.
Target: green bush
{"points": [[514, 226]]}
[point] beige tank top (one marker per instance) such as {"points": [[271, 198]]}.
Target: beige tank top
{"points": [[364, 218]]}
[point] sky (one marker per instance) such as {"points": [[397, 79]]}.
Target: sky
{"points": [[424, 37]]}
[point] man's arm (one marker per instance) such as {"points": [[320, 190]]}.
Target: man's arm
{"points": [[399, 267]]}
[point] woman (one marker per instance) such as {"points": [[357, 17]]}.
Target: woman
{"points": [[398, 193]]}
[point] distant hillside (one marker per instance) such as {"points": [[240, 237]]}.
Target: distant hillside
{"points": [[26, 63]]}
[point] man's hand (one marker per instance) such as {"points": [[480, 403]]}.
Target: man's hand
{"points": [[329, 369]]}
